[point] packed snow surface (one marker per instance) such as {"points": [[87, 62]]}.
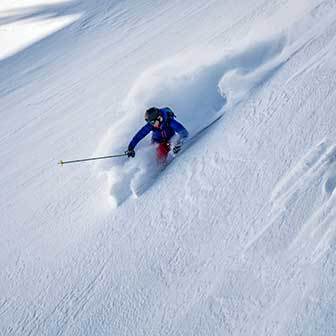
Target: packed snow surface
{"points": [[237, 236]]}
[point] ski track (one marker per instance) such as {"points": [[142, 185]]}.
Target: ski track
{"points": [[68, 308], [303, 181], [298, 248]]}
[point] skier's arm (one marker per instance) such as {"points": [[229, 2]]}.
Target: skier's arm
{"points": [[139, 136], [179, 128]]}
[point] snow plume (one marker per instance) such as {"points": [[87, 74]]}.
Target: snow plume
{"points": [[198, 86], [251, 67]]}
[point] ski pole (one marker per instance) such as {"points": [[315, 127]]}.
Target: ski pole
{"points": [[93, 158]]}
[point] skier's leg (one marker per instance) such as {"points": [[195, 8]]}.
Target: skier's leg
{"points": [[162, 151]]}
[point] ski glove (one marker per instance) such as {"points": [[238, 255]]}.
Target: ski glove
{"points": [[177, 147], [130, 153]]}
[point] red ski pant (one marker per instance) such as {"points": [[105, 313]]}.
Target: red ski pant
{"points": [[162, 151]]}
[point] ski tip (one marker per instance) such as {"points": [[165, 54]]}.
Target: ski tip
{"points": [[61, 162]]}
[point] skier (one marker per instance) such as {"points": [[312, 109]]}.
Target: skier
{"points": [[161, 122]]}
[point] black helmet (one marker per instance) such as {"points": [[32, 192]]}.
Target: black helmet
{"points": [[152, 114]]}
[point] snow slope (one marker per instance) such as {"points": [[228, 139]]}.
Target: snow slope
{"points": [[236, 236]]}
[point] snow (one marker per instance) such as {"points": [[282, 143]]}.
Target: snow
{"points": [[236, 236], [21, 28]]}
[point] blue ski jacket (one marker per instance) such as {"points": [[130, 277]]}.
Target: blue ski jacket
{"points": [[168, 128]]}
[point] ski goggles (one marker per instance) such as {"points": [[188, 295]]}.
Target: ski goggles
{"points": [[152, 122]]}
